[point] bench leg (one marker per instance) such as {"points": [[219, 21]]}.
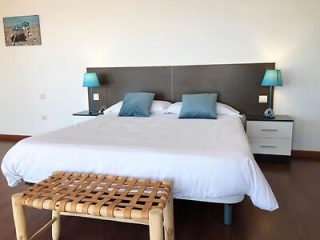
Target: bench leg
{"points": [[168, 220], [19, 217], [156, 224], [56, 225]]}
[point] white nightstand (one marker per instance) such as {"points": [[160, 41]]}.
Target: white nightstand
{"points": [[84, 116], [270, 136]]}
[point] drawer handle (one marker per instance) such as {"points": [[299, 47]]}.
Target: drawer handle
{"points": [[268, 146], [269, 130]]}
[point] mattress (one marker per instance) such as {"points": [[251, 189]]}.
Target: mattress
{"points": [[206, 159]]}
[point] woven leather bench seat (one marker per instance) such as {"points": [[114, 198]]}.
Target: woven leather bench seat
{"points": [[104, 197]]}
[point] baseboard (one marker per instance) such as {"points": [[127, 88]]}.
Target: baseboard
{"points": [[305, 154], [12, 138], [272, 158]]}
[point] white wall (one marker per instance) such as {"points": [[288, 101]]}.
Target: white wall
{"points": [[80, 34]]}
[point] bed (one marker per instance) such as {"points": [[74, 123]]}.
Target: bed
{"points": [[211, 156], [189, 151]]}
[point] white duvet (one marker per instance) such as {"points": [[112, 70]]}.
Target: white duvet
{"points": [[207, 159]]}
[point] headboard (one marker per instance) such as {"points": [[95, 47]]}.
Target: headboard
{"points": [[238, 85]]}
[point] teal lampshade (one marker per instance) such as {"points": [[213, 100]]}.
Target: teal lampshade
{"points": [[90, 80], [272, 78]]}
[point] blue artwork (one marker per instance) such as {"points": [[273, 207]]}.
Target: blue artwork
{"points": [[22, 30]]}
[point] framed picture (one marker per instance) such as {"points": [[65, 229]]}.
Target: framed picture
{"points": [[22, 30]]}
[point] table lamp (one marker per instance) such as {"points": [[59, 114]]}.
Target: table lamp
{"points": [[272, 78], [91, 80]]}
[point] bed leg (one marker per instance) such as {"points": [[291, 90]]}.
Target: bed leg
{"points": [[227, 214]]}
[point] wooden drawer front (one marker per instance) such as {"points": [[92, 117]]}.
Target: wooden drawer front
{"points": [[269, 129], [270, 146]]}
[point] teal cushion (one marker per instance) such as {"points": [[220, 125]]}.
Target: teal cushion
{"points": [[137, 104], [199, 106]]}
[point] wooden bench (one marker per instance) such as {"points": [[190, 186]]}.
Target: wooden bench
{"points": [[102, 197]]}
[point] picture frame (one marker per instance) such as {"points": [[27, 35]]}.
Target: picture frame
{"points": [[22, 30]]}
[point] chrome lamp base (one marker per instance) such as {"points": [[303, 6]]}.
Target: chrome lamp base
{"points": [[268, 113]]}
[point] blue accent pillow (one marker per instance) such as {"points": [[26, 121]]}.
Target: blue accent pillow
{"points": [[199, 106], [137, 104]]}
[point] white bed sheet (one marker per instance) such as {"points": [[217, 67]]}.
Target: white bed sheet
{"points": [[207, 159]]}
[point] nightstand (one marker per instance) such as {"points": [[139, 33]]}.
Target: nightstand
{"points": [[270, 136], [84, 116]]}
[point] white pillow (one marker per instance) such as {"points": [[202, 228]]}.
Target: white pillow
{"points": [[114, 108], [159, 106], [156, 107], [174, 108], [222, 109]]}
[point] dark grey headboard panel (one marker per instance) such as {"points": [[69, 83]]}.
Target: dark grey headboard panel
{"points": [[118, 81], [237, 84]]}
